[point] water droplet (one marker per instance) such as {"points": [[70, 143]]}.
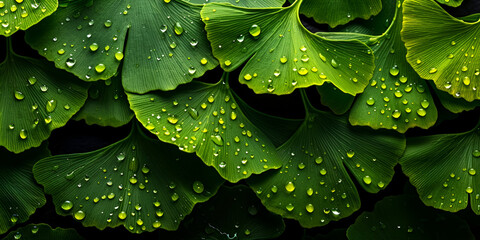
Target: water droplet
{"points": [[23, 134], [289, 207], [371, 101], [367, 180], [247, 77], [394, 71], [309, 191], [178, 28], [303, 71], [476, 153], [100, 68], [70, 62], [421, 112], [290, 187], [172, 120], [67, 205], [217, 139], [51, 105], [122, 215], [472, 171], [432, 70], [119, 56], [469, 190], [309, 208], [79, 215], [396, 114], [350, 153], [283, 59], [222, 164], [19, 95], [198, 187], [175, 197], [255, 30], [192, 70], [425, 104], [334, 63], [93, 47], [319, 160]]}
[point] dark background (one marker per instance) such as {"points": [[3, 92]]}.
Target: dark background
{"points": [[79, 137]]}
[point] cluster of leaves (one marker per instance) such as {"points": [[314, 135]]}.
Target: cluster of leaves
{"points": [[381, 68]]}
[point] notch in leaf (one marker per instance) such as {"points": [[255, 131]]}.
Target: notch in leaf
{"points": [[21, 195], [442, 48], [444, 168], [38, 99], [313, 186], [282, 55], [140, 183], [166, 44], [22, 14], [206, 119]]}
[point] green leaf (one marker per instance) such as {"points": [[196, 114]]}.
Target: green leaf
{"points": [[244, 3], [443, 169], [166, 44], [234, 213], [456, 105], [404, 217], [338, 101], [397, 98], [313, 186], [22, 14], [205, 118], [336, 13], [140, 183], [451, 3], [282, 54], [43, 231], [107, 104], [21, 195], [442, 48], [38, 99]]}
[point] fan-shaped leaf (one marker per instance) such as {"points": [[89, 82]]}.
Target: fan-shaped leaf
{"points": [[442, 48], [43, 232], [36, 99], [313, 186], [443, 168], [285, 55], [397, 98], [340, 12], [245, 3], [451, 3], [404, 217], [107, 104], [205, 118], [165, 46], [456, 105], [21, 195], [139, 183], [22, 14], [233, 213]]}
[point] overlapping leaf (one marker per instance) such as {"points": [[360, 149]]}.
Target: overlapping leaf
{"points": [[22, 14], [244, 3], [456, 105], [107, 104], [165, 46], [21, 195], [205, 118], [396, 98], [442, 48], [138, 182], [444, 168], [43, 232], [335, 99], [35, 98], [336, 13], [234, 213], [282, 54], [313, 186], [404, 217], [452, 3]]}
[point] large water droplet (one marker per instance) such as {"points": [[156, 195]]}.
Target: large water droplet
{"points": [[67, 205], [255, 30]]}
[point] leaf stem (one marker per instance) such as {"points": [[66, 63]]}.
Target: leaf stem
{"points": [[306, 103]]}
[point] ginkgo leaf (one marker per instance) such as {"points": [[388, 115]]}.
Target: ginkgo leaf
{"points": [[22, 14], [313, 186], [21, 195], [396, 98], [451, 3], [205, 118], [404, 217], [38, 99], [341, 12], [107, 104], [43, 231], [442, 48], [140, 183], [338, 101], [456, 105], [444, 167], [233, 213], [244, 3], [282, 54], [166, 43]]}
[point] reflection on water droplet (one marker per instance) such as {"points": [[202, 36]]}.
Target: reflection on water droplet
{"points": [[255, 30], [367, 180], [198, 187], [67, 205], [290, 187]]}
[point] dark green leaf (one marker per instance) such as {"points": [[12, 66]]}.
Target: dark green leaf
{"points": [[245, 3], [338, 101], [43, 232], [22, 14]]}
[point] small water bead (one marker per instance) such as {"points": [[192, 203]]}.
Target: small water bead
{"points": [[107, 23], [303, 71], [51, 105], [396, 114], [394, 71], [122, 215], [19, 95], [61, 51], [370, 101], [79, 215], [70, 62], [119, 56], [367, 180], [350, 153], [172, 120], [174, 197], [173, 45], [403, 79], [283, 59], [381, 184], [309, 208], [432, 70], [17, 235], [32, 80], [255, 30], [323, 171], [156, 224], [34, 229], [247, 232], [425, 103], [227, 63], [421, 112], [334, 63], [93, 47], [67, 205], [398, 94], [476, 153], [472, 171], [222, 164], [466, 80], [100, 68], [217, 139], [198, 187], [14, 218], [23, 134], [247, 77], [464, 68], [450, 56], [290, 187], [469, 190], [178, 29], [203, 61], [309, 191], [289, 207]]}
